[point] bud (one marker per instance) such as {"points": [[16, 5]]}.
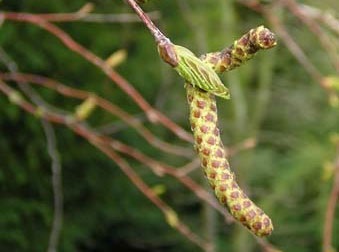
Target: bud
{"points": [[192, 69]]}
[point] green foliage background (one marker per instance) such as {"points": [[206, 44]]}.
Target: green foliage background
{"points": [[103, 210]]}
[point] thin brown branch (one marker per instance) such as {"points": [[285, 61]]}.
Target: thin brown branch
{"points": [[157, 167], [290, 43], [160, 169], [316, 29], [331, 205], [152, 114], [52, 151], [101, 144], [97, 17], [149, 193], [105, 105], [155, 31], [319, 15]]}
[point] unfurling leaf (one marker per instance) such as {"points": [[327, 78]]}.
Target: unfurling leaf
{"points": [[192, 69]]}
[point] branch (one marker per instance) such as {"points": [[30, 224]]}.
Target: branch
{"points": [[331, 204], [57, 186], [152, 114], [101, 143], [105, 105], [52, 151], [155, 31]]}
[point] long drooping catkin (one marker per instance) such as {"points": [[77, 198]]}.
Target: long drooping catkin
{"points": [[203, 119]]}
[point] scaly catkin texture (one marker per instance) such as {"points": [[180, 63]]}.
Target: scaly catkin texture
{"points": [[203, 119], [241, 51]]}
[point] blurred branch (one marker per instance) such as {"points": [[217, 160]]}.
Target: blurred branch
{"points": [[104, 104], [331, 205], [84, 15], [291, 44], [316, 29], [152, 114], [158, 168], [102, 144], [57, 186], [52, 151], [97, 18], [170, 215], [319, 15]]}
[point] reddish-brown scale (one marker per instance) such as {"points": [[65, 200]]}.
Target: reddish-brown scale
{"points": [[201, 104], [206, 151], [223, 188], [192, 126], [225, 176], [215, 164], [236, 207], [212, 175], [257, 225], [216, 131], [219, 153], [204, 129], [240, 52], [209, 117], [267, 222], [196, 114], [251, 214], [247, 204], [199, 140], [204, 162], [211, 140], [235, 195]]}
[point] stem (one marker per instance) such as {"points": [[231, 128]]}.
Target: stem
{"points": [[157, 34]]}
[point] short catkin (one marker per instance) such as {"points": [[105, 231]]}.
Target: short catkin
{"points": [[241, 51], [208, 144]]}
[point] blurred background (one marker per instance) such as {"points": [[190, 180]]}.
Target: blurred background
{"points": [[281, 128]]}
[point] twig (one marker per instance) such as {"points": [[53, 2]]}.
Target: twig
{"points": [[148, 192], [324, 16], [315, 28], [294, 48], [97, 18], [104, 104], [101, 144], [331, 204], [57, 186], [157, 167], [52, 151], [152, 114], [157, 34]]}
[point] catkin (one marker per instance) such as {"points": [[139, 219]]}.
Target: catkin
{"points": [[208, 144]]}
